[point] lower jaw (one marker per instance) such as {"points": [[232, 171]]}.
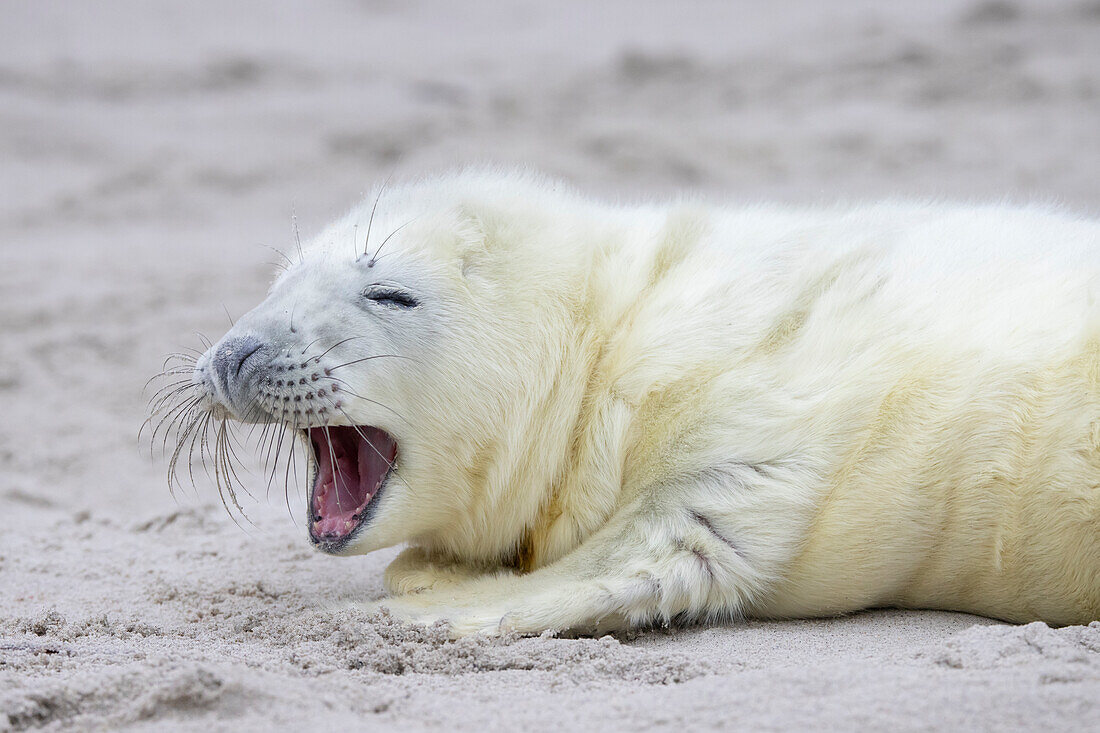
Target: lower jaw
{"points": [[333, 546], [339, 545]]}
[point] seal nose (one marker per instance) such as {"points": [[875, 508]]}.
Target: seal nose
{"points": [[231, 364]]}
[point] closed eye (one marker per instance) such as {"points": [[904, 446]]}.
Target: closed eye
{"points": [[390, 296]]}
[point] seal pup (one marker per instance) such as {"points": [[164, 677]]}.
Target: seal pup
{"points": [[585, 416]]}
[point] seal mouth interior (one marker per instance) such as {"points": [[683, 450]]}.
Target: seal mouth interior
{"points": [[352, 464]]}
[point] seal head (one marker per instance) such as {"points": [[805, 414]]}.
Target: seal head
{"points": [[406, 368]]}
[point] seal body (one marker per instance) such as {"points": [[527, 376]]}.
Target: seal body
{"points": [[614, 415]]}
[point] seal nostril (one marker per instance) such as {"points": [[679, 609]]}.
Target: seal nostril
{"points": [[230, 361], [245, 358]]}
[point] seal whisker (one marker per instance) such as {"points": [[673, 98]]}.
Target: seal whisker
{"points": [[389, 463], [347, 388], [222, 475], [216, 460], [164, 375], [370, 221], [368, 358], [192, 430], [184, 359], [180, 417], [277, 442], [178, 450], [311, 343], [201, 420], [158, 401], [167, 418], [271, 437], [179, 360], [289, 262], [165, 421], [229, 471], [233, 458], [365, 438], [374, 258], [297, 236], [267, 437], [252, 429], [176, 377], [204, 443], [153, 414], [176, 362], [335, 470], [286, 482], [167, 405], [308, 454], [344, 341], [255, 411], [199, 435], [230, 440], [186, 363], [207, 447], [167, 373]]}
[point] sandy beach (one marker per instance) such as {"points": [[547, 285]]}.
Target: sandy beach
{"points": [[152, 154]]}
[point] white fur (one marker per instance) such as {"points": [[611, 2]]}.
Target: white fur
{"points": [[610, 415]]}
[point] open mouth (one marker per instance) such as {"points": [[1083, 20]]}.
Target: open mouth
{"points": [[352, 465]]}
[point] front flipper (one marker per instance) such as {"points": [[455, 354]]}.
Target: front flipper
{"points": [[643, 567], [416, 571]]}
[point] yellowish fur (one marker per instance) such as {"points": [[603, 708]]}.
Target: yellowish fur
{"points": [[623, 414]]}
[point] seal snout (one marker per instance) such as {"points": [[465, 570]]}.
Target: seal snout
{"points": [[235, 361]]}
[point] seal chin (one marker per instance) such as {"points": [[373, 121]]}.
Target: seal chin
{"points": [[352, 465]]}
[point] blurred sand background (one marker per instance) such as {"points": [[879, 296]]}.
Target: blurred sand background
{"points": [[148, 149]]}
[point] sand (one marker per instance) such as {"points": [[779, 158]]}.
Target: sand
{"points": [[149, 149]]}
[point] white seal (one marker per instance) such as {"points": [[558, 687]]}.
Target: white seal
{"points": [[583, 416]]}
